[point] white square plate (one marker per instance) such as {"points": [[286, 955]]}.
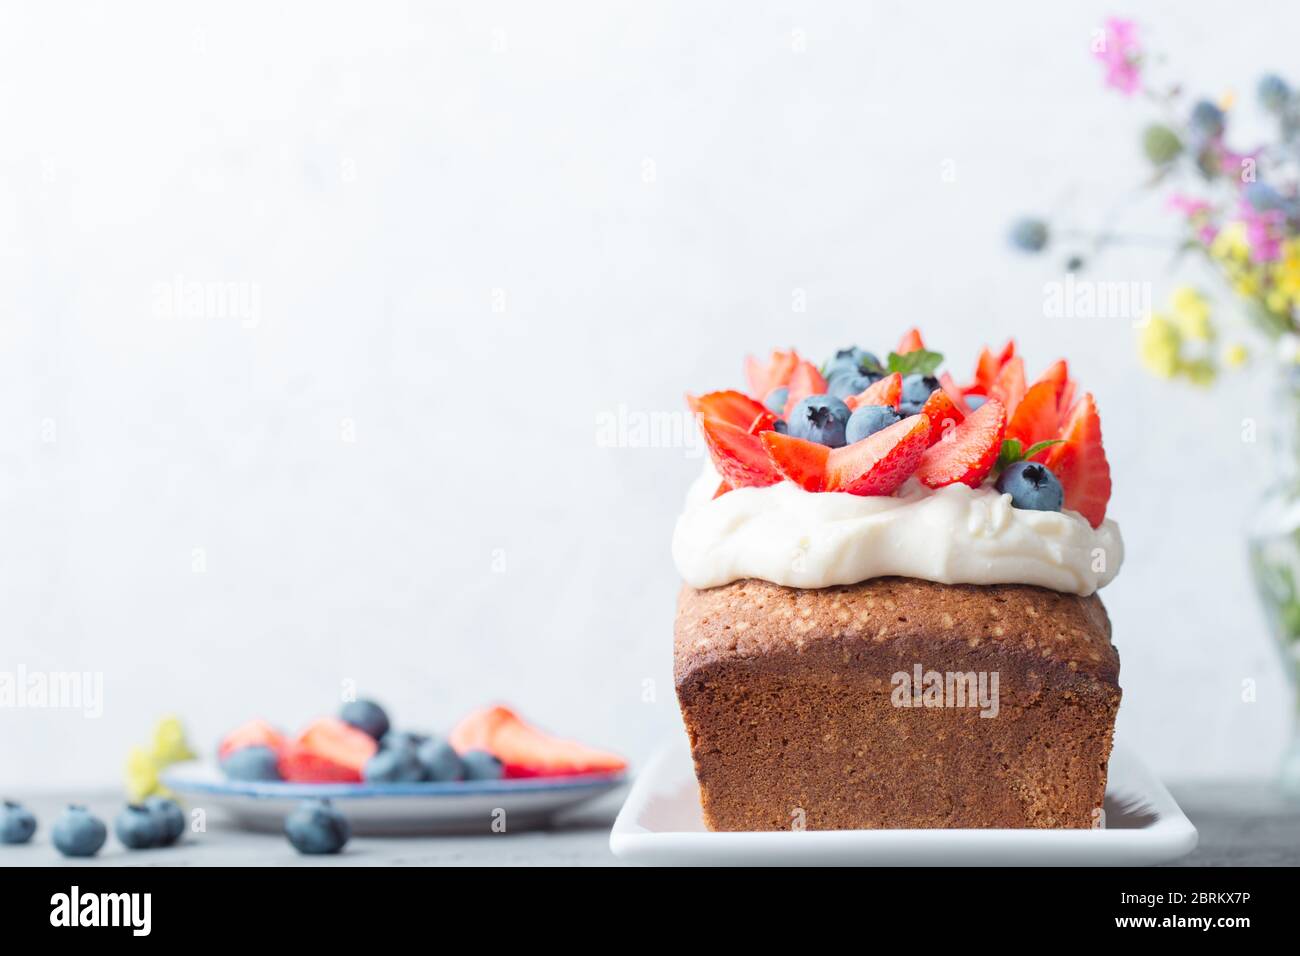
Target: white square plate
{"points": [[661, 824]]}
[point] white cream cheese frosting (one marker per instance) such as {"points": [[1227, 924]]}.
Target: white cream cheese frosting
{"points": [[952, 535]]}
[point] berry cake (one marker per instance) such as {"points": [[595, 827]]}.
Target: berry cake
{"points": [[889, 616]]}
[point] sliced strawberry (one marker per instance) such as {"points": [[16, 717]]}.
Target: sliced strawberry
{"points": [[1009, 387], [1065, 404], [738, 455], [942, 413], [735, 409], [955, 395], [255, 733], [297, 764], [763, 377], [886, 391], [1080, 462], [723, 487], [335, 740], [1036, 418], [986, 370], [911, 342], [968, 452], [526, 751], [805, 381], [1058, 373], [882, 461], [803, 462]]}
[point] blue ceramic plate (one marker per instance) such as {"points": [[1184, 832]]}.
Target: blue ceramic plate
{"points": [[392, 808]]}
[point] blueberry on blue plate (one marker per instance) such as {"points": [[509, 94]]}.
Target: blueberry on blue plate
{"points": [[367, 716], [137, 828], [78, 832], [396, 765], [170, 817], [257, 762], [481, 765], [16, 823], [317, 827], [775, 400], [440, 761], [820, 418], [917, 388], [845, 384], [867, 420], [1031, 486], [404, 739]]}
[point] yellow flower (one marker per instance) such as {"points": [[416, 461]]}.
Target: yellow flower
{"points": [[1230, 243], [1192, 314], [1236, 356], [169, 743], [141, 775], [1199, 372], [1159, 345]]}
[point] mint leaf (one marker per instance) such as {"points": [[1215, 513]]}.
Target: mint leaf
{"points": [[1009, 452], [1038, 446], [919, 362]]}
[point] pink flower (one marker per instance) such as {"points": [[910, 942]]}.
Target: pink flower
{"points": [[1198, 212], [1264, 232], [1119, 50]]}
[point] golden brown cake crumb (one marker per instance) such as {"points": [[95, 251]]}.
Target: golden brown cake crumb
{"points": [[801, 711]]}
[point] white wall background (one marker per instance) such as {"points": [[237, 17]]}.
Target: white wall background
{"points": [[375, 173]]}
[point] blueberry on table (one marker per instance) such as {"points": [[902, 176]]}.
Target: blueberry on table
{"points": [[395, 765], [367, 716], [170, 817], [257, 762], [137, 828], [17, 824], [867, 420], [317, 827], [440, 761], [820, 418], [1031, 486], [78, 832], [481, 765]]}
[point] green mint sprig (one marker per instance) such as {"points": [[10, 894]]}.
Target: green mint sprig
{"points": [[918, 362], [1012, 451]]}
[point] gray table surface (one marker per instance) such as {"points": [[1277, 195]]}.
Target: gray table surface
{"points": [[1240, 824]]}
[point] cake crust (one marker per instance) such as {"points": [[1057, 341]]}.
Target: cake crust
{"points": [[793, 705]]}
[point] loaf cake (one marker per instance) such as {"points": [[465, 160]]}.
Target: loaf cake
{"points": [[896, 625]]}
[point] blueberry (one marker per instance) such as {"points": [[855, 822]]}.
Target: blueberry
{"points": [[170, 817], [1029, 235], [907, 409], [775, 400], [257, 762], [1031, 486], [781, 426], [1273, 92], [854, 361], [137, 828], [397, 765], [975, 401], [481, 765], [317, 827], [78, 833], [820, 418], [405, 739], [1206, 119], [440, 761], [917, 388], [844, 384], [366, 715], [867, 420], [16, 823]]}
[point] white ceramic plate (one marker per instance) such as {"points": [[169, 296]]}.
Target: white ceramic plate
{"points": [[661, 824], [391, 808]]}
